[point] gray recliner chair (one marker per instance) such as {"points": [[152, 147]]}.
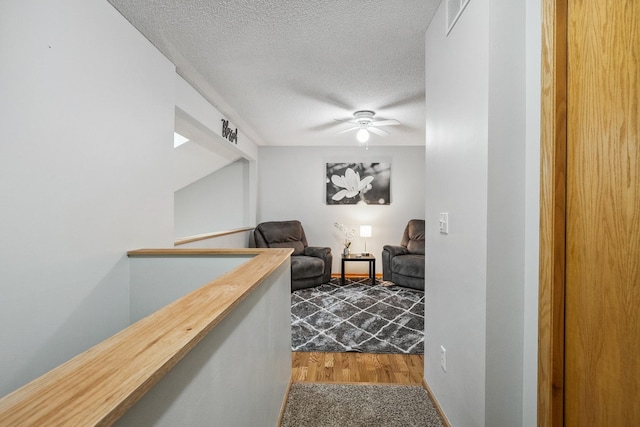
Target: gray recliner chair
{"points": [[404, 264], [310, 265]]}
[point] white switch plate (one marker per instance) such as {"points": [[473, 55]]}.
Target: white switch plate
{"points": [[443, 358], [444, 223]]}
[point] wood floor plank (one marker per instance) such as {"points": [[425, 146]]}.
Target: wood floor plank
{"points": [[407, 369]]}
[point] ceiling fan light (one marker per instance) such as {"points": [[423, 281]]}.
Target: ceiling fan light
{"points": [[362, 135]]}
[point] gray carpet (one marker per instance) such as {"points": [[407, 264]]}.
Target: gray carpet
{"points": [[340, 405], [358, 317]]}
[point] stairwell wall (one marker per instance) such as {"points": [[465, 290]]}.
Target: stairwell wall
{"points": [[87, 114]]}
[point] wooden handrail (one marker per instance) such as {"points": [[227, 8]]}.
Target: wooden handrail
{"points": [[198, 237], [98, 386]]}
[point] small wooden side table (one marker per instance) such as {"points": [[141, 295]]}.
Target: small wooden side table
{"points": [[359, 257]]}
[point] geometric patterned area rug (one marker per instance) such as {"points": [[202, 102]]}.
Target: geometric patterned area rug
{"points": [[358, 317]]}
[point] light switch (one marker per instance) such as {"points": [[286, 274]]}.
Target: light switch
{"points": [[444, 223]]}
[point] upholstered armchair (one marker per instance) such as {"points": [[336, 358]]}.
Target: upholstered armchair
{"points": [[404, 264], [310, 265]]}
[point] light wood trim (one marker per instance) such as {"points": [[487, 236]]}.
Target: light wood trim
{"points": [[200, 251], [98, 386], [283, 407], [435, 402], [553, 165], [198, 237]]}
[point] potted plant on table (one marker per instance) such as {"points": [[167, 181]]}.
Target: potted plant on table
{"points": [[348, 235]]}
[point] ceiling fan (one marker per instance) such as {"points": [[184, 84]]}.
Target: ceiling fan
{"points": [[365, 124]]}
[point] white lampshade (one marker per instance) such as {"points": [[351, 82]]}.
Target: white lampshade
{"points": [[365, 231]]}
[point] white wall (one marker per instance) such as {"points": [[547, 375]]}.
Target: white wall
{"points": [[292, 186], [457, 96], [87, 112], [240, 239], [506, 213], [217, 202], [238, 374], [208, 151], [160, 280], [532, 213], [482, 157], [209, 119]]}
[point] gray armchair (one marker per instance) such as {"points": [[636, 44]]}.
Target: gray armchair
{"points": [[310, 265], [404, 264]]}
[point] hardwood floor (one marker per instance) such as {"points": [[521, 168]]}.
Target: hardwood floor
{"points": [[404, 369], [407, 369]]}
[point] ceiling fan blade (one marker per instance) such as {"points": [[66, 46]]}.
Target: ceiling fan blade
{"points": [[379, 132], [416, 98], [390, 122], [347, 130], [346, 121]]}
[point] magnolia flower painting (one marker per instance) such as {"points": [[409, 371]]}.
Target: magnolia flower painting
{"points": [[351, 185], [358, 183]]}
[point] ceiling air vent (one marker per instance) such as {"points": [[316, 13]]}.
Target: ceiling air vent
{"points": [[454, 10]]}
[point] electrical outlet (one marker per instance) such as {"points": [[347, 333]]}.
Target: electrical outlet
{"points": [[443, 358]]}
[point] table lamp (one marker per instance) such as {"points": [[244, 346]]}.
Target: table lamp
{"points": [[365, 231]]}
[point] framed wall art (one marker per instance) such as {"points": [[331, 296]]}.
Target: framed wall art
{"points": [[358, 183]]}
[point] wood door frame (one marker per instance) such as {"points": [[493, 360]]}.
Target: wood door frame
{"points": [[553, 166]]}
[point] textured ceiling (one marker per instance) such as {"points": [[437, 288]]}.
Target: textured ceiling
{"points": [[283, 70]]}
